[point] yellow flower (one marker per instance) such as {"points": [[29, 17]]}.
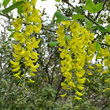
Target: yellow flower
{"points": [[106, 89], [14, 63], [107, 39], [17, 23], [37, 28], [99, 65], [32, 74], [80, 87], [79, 93], [71, 84], [27, 7], [16, 69], [63, 95], [67, 75], [89, 73], [31, 81], [33, 2], [81, 81], [107, 80], [17, 74], [29, 29], [19, 37], [90, 67], [78, 98], [67, 23], [106, 71], [35, 43]]}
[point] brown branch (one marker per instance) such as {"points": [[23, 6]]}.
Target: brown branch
{"points": [[11, 85], [77, 12], [46, 69], [48, 29], [59, 87], [101, 10]]}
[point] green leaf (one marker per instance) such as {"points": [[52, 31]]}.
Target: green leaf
{"points": [[57, 0], [78, 16], [67, 37], [15, 5], [5, 3], [60, 17], [52, 44], [90, 6], [14, 1], [11, 35], [108, 28], [97, 45], [89, 24], [98, 7], [11, 29], [101, 28], [20, 9]]}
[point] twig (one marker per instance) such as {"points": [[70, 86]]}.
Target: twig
{"points": [[101, 10], [11, 85], [59, 87], [84, 15]]}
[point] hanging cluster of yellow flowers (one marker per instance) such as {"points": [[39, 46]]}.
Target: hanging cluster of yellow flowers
{"points": [[73, 55], [25, 58]]}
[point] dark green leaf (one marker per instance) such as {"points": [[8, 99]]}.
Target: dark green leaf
{"points": [[97, 45], [11, 29], [20, 9], [60, 17], [78, 16], [101, 29], [67, 37], [14, 1], [98, 7], [12, 35], [89, 24], [5, 3], [90, 6], [52, 44], [12, 7], [57, 0], [108, 28]]}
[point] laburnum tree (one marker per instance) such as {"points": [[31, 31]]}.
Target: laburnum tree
{"points": [[58, 64]]}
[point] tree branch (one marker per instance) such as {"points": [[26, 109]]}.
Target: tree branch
{"points": [[101, 10], [11, 85], [59, 87]]}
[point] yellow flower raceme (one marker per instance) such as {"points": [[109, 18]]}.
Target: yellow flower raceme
{"points": [[23, 49]]}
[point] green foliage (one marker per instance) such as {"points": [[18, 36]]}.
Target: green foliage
{"points": [[52, 44], [78, 16], [60, 17], [57, 0], [15, 5], [90, 6], [108, 28], [97, 45], [5, 3]]}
